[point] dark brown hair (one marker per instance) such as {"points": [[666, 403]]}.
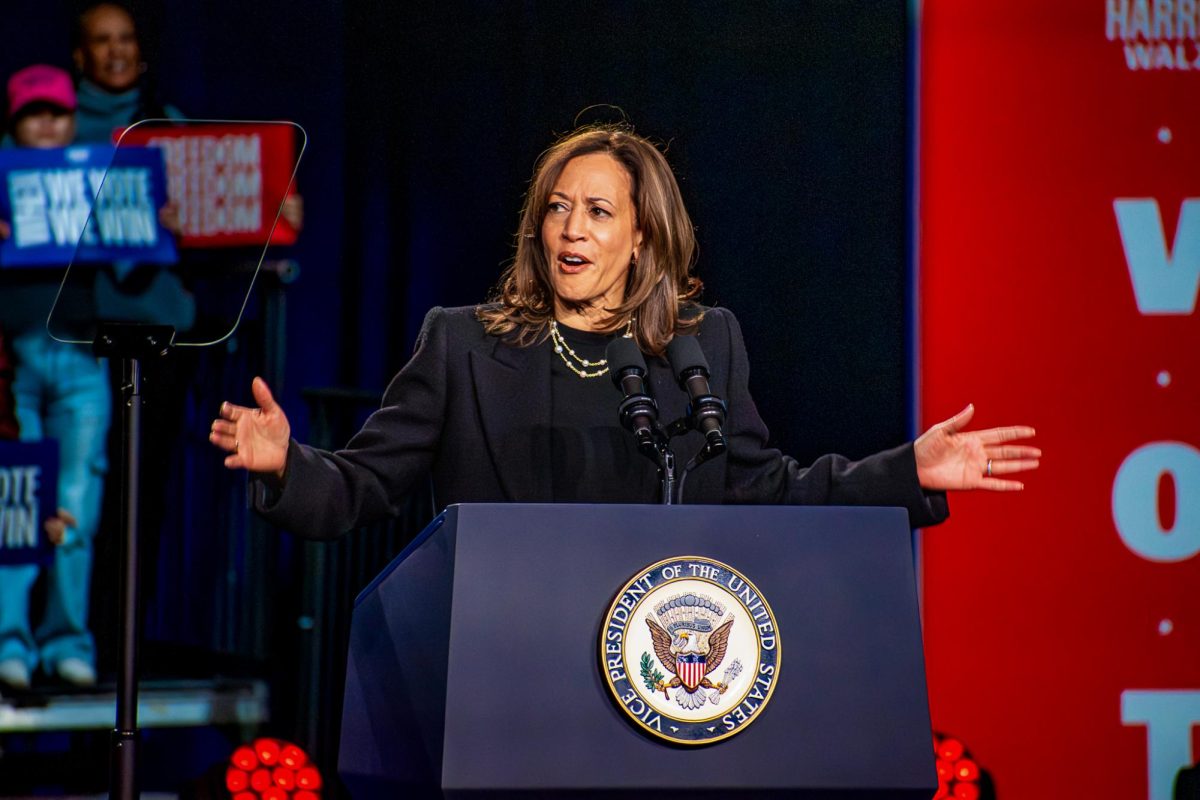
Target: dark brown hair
{"points": [[659, 286]]}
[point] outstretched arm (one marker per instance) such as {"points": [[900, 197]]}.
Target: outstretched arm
{"points": [[319, 494], [759, 473]]}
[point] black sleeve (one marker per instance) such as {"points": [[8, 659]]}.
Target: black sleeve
{"points": [[758, 473], [325, 494]]}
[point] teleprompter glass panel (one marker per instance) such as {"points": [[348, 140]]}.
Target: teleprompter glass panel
{"points": [[172, 224]]}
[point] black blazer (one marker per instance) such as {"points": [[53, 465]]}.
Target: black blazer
{"points": [[474, 411]]}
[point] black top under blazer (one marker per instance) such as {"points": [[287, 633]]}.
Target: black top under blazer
{"points": [[474, 411]]}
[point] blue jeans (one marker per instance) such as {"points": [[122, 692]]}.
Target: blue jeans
{"points": [[62, 392]]}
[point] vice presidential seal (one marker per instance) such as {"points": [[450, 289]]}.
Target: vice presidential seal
{"points": [[690, 650]]}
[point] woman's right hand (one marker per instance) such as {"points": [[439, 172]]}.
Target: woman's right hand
{"points": [[255, 438]]}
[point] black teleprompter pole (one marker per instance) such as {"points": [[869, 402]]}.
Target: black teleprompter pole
{"points": [[125, 735], [132, 344]]}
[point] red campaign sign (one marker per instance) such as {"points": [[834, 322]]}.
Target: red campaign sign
{"points": [[1059, 264], [227, 179]]}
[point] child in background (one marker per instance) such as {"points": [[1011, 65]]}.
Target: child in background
{"points": [[61, 392]]}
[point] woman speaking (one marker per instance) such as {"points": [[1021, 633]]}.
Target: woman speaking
{"points": [[513, 401]]}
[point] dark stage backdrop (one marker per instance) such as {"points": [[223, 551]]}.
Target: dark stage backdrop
{"points": [[786, 124]]}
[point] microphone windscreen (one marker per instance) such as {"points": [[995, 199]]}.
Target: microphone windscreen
{"points": [[622, 353], [684, 353]]}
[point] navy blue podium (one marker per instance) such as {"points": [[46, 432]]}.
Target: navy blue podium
{"points": [[474, 669]]}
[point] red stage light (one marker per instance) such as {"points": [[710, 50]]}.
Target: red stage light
{"points": [[308, 778], [293, 757], [260, 780], [267, 751], [966, 791], [272, 769], [966, 770], [244, 759], [284, 778], [959, 776], [236, 780], [950, 749]]}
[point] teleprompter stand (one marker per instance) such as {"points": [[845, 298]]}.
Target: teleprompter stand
{"points": [[122, 305], [133, 344]]}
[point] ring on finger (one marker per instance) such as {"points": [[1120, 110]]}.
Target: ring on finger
{"points": [[236, 443], [988, 473]]}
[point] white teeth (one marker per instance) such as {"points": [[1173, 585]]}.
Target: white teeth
{"points": [[572, 260]]}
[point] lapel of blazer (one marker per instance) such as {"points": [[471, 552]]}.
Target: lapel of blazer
{"points": [[512, 389]]}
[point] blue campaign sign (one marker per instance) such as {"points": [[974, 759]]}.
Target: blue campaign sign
{"points": [[28, 497], [46, 196]]}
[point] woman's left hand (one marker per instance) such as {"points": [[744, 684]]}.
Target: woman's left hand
{"points": [[950, 458]]}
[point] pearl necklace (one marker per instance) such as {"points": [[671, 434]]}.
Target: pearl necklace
{"points": [[570, 357]]}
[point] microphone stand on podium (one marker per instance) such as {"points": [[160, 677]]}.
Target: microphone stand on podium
{"points": [[639, 413]]}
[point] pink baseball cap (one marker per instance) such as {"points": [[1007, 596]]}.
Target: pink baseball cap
{"points": [[40, 83]]}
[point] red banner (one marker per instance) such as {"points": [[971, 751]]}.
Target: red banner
{"points": [[1059, 264], [228, 180]]}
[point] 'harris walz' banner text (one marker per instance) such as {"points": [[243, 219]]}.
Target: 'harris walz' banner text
{"points": [[47, 198]]}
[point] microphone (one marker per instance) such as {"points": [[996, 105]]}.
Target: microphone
{"points": [[707, 411], [638, 411]]}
